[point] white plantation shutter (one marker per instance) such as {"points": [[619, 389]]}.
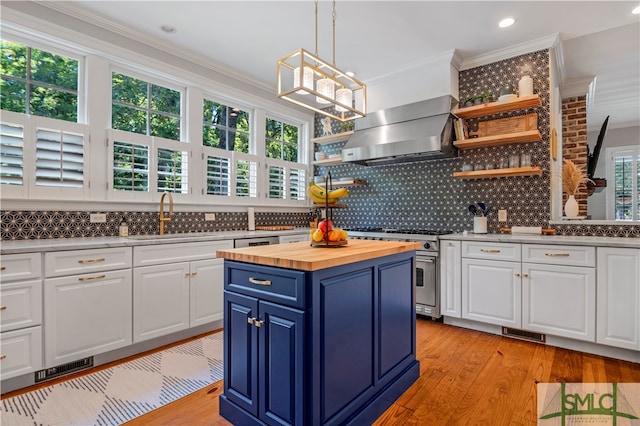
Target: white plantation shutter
{"points": [[277, 182], [173, 171], [59, 158], [297, 184], [246, 176], [130, 167], [218, 175], [11, 154]]}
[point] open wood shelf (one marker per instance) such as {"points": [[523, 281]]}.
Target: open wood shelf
{"points": [[330, 206], [338, 137], [351, 182], [518, 137], [328, 162], [498, 107], [494, 173]]}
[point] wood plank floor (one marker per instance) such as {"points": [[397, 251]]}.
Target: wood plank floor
{"points": [[466, 378]]}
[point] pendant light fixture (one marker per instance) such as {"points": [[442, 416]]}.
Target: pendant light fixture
{"points": [[335, 94]]}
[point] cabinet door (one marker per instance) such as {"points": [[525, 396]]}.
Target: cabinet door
{"points": [[21, 304], [281, 364], [559, 300], [160, 300], [491, 292], [618, 295], [206, 291], [241, 351], [86, 315], [21, 351], [450, 279]]}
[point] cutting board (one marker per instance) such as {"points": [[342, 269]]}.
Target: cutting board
{"points": [[503, 126], [275, 228]]}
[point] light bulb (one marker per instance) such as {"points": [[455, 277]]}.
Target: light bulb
{"points": [[326, 87], [344, 96], [307, 79]]}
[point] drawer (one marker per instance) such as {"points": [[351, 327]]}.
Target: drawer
{"points": [[559, 255], [21, 305], [61, 263], [277, 285], [488, 250], [21, 352], [15, 267], [178, 252]]}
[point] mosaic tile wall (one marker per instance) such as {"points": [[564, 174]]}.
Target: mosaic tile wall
{"points": [[425, 195], [21, 225]]}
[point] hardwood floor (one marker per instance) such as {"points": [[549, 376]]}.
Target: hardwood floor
{"points": [[466, 378]]}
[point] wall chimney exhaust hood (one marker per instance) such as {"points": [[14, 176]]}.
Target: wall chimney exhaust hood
{"points": [[414, 132]]}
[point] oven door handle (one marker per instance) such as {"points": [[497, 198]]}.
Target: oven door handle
{"points": [[426, 259]]}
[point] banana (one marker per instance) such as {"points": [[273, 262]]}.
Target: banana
{"points": [[319, 195], [339, 193]]}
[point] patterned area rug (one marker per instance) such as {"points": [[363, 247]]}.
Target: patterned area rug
{"points": [[118, 394]]}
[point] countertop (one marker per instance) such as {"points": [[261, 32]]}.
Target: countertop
{"points": [[302, 256], [548, 239], [30, 246]]}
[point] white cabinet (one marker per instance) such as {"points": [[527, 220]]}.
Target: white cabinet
{"points": [[450, 278], [176, 286], [491, 292], [90, 311], [618, 292], [284, 239], [20, 314]]}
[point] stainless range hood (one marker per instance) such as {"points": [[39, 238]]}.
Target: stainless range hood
{"points": [[414, 132]]}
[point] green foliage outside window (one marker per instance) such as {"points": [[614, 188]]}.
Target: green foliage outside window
{"points": [[145, 108], [38, 82], [225, 127], [281, 140]]}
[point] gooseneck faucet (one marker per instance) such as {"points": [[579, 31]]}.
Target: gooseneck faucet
{"points": [[164, 218]]}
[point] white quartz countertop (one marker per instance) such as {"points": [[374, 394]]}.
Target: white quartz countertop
{"points": [[58, 244], [621, 242]]}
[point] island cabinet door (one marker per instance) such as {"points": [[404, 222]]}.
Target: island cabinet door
{"points": [[281, 364], [241, 351]]}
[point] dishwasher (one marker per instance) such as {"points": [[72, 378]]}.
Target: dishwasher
{"points": [[254, 241]]}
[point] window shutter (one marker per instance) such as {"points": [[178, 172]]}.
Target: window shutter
{"points": [[277, 184], [218, 176], [59, 158], [246, 178], [130, 167], [172, 171], [297, 184], [11, 154]]}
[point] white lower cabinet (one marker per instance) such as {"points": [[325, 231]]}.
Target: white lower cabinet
{"points": [[21, 351], [88, 313], [450, 278], [491, 292], [618, 297], [180, 286], [559, 300]]}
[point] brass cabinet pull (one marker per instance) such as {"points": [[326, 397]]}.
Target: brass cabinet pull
{"points": [[2, 268], [95, 277], [190, 274], [259, 282], [251, 320], [258, 323], [525, 275], [490, 250], [2, 357], [2, 308], [100, 259], [517, 274], [557, 254]]}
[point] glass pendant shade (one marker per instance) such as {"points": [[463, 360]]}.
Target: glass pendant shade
{"points": [[307, 79], [326, 87], [344, 96]]}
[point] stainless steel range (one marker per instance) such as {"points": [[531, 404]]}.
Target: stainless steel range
{"points": [[427, 265]]}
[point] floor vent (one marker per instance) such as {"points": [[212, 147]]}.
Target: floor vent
{"points": [[523, 334], [61, 370]]}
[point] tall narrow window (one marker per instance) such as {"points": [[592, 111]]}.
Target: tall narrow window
{"points": [[142, 107], [225, 127], [624, 174], [38, 83]]}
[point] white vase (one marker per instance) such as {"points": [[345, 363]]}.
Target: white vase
{"points": [[571, 208], [525, 86], [479, 224]]}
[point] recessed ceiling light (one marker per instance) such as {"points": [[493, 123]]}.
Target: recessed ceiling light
{"points": [[168, 28], [636, 11], [506, 22]]}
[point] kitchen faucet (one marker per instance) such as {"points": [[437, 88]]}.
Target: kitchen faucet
{"points": [[164, 218]]}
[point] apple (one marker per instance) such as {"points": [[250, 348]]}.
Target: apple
{"points": [[325, 225]]}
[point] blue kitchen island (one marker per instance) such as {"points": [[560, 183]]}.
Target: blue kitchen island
{"points": [[315, 335]]}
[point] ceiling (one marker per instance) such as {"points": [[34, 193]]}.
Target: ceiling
{"points": [[376, 39]]}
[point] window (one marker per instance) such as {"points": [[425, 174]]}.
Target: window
{"points": [[11, 154], [59, 158], [130, 166], [172, 171], [142, 107], [624, 173], [225, 127], [282, 141], [38, 83], [218, 176]]}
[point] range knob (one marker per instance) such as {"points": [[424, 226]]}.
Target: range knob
{"points": [[427, 246]]}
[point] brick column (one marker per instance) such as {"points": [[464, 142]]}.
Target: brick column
{"points": [[574, 141]]}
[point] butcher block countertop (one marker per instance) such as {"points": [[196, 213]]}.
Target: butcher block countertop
{"points": [[303, 257]]}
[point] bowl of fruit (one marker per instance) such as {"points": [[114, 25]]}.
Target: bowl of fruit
{"points": [[326, 235]]}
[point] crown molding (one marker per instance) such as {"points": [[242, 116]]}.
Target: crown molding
{"points": [[510, 52], [579, 86]]}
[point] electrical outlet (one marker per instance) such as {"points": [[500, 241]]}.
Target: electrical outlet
{"points": [[502, 215], [209, 216], [98, 217]]}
